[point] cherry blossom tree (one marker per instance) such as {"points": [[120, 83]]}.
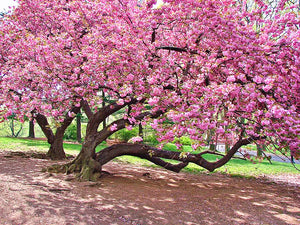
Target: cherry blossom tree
{"points": [[22, 92], [185, 67]]}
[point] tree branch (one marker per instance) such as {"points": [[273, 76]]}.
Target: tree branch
{"points": [[121, 124], [43, 123], [171, 48], [86, 108], [155, 155], [176, 49]]}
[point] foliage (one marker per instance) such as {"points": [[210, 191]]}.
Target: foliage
{"points": [[184, 140], [124, 134], [151, 139], [71, 132]]}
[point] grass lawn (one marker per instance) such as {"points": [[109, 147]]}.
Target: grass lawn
{"points": [[235, 167], [22, 144]]}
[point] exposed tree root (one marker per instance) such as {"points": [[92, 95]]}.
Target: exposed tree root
{"points": [[87, 169]]}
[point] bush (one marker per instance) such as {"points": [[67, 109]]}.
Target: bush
{"points": [[71, 132], [151, 139], [124, 134], [184, 140]]}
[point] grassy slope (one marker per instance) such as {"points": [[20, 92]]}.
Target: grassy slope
{"points": [[235, 167]]}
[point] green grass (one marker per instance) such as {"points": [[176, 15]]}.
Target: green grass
{"points": [[5, 130], [235, 167], [22, 144]]}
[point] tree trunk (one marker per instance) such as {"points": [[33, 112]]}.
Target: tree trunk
{"points": [[103, 105], [31, 129], [141, 133], [56, 151], [78, 127], [88, 164], [85, 164]]}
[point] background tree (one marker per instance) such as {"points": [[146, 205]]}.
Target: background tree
{"points": [[31, 133], [23, 91], [200, 65], [78, 127], [14, 127]]}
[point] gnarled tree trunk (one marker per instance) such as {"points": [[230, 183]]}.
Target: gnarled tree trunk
{"points": [[56, 150], [85, 164], [88, 164]]}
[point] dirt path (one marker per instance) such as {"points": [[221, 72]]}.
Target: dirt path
{"points": [[138, 195]]}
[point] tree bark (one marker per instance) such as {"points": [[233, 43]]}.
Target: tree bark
{"points": [[78, 128], [141, 133], [56, 150], [85, 163], [88, 163], [157, 155], [31, 129]]}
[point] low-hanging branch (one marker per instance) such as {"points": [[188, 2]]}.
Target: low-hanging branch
{"points": [[156, 155]]}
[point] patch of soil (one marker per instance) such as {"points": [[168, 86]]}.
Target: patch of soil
{"points": [[132, 194]]}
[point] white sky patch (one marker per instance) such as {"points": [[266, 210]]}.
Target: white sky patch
{"points": [[4, 4], [158, 4]]}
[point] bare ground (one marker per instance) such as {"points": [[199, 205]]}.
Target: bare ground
{"points": [[139, 195]]}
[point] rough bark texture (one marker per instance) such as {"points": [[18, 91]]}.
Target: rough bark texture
{"points": [[85, 163], [157, 155], [56, 150], [88, 164], [31, 129], [78, 128]]}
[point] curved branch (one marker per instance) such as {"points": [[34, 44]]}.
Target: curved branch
{"points": [[121, 124], [67, 121], [155, 155], [167, 165], [86, 108], [219, 154], [171, 48], [43, 123]]}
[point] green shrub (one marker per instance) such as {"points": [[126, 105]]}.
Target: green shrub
{"points": [[184, 140], [151, 139], [125, 135], [71, 132]]}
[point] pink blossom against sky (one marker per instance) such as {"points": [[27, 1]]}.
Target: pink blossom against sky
{"points": [[4, 4]]}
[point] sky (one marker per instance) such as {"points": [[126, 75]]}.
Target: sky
{"points": [[5, 3]]}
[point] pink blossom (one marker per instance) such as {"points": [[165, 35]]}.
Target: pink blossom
{"points": [[231, 78], [114, 127], [153, 101], [135, 139], [120, 101]]}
